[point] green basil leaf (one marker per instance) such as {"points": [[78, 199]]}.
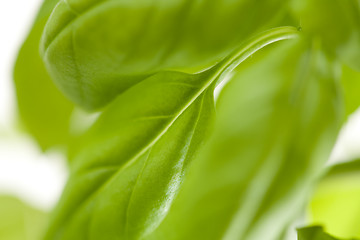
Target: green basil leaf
{"points": [[43, 110], [131, 163], [98, 49], [314, 233], [277, 123], [337, 23], [335, 203], [19, 221], [133, 159]]}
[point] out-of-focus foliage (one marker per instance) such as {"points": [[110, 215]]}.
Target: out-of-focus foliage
{"points": [[315, 233], [335, 204], [336, 22], [43, 110], [19, 221], [150, 68], [350, 82]]}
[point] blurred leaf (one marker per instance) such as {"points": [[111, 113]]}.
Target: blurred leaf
{"points": [[335, 203], [19, 221], [314, 233], [96, 50], [351, 86], [337, 23], [43, 110], [277, 123], [131, 163]]}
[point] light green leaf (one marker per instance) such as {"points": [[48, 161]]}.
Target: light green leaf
{"points": [[335, 203], [96, 50], [277, 123], [19, 221], [337, 23], [131, 163], [43, 110], [315, 233]]}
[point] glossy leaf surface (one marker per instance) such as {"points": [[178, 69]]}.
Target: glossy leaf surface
{"points": [[131, 163], [43, 110], [253, 177], [98, 49], [133, 160]]}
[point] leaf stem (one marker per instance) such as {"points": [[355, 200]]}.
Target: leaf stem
{"points": [[249, 47]]}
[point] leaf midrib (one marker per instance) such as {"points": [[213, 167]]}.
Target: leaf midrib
{"points": [[134, 158], [184, 158], [216, 72]]}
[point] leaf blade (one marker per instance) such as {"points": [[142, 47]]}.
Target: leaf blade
{"points": [[36, 93], [160, 104], [91, 63]]}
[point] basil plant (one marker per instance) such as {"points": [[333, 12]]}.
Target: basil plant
{"points": [[210, 119]]}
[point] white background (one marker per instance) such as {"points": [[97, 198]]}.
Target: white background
{"points": [[38, 178], [25, 172]]}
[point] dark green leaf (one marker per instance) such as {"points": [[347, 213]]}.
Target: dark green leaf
{"points": [[345, 168], [315, 233], [43, 110]]}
